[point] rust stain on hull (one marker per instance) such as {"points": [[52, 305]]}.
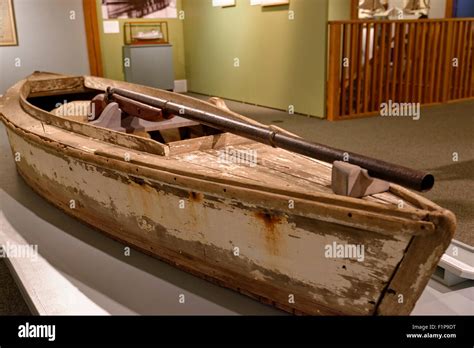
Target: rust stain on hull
{"points": [[270, 224], [196, 197]]}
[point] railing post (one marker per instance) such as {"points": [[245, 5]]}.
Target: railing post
{"points": [[448, 67], [334, 70]]}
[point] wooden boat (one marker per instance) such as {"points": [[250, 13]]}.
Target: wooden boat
{"points": [[272, 230]]}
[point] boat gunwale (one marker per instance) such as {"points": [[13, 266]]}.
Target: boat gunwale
{"points": [[442, 221], [420, 222], [86, 129], [35, 86], [387, 300], [382, 211]]}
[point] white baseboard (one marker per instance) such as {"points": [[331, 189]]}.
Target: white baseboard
{"points": [[180, 86]]}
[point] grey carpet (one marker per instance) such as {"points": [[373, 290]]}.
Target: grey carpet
{"points": [[428, 144], [11, 301]]}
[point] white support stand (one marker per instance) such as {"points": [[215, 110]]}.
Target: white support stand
{"points": [[456, 265]]}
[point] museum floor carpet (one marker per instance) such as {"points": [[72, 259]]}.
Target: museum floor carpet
{"points": [[11, 301]]}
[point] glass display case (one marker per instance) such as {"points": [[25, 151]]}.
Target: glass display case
{"points": [[141, 33]]}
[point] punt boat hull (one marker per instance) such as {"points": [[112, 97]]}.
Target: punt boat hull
{"points": [[275, 246]]}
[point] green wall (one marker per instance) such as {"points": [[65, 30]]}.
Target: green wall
{"points": [[111, 46], [282, 61], [339, 10]]}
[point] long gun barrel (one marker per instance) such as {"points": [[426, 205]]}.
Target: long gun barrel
{"points": [[414, 179]]}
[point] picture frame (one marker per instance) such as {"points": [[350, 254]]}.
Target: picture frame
{"points": [[274, 2], [8, 36], [117, 9]]}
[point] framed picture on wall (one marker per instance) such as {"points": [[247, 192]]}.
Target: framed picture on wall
{"points": [[7, 24], [112, 9]]}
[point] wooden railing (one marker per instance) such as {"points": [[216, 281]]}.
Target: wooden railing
{"points": [[418, 61]]}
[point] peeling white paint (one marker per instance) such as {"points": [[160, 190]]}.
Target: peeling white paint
{"points": [[300, 258]]}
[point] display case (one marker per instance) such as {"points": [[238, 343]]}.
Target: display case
{"points": [[150, 65], [142, 33]]}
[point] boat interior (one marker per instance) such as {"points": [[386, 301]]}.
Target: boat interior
{"points": [[79, 107], [206, 150]]}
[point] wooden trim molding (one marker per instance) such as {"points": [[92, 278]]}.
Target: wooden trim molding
{"points": [[449, 9], [354, 9], [93, 38]]}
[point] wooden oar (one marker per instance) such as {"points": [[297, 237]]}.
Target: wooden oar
{"points": [[414, 179]]}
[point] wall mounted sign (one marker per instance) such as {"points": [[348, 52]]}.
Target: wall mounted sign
{"points": [[7, 24], [111, 27], [223, 3]]}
